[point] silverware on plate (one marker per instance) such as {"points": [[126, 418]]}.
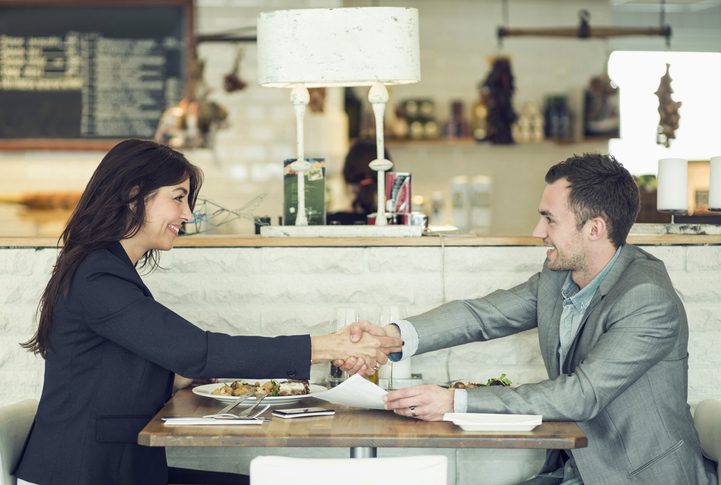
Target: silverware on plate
{"points": [[259, 396], [241, 397]]}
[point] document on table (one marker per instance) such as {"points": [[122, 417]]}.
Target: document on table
{"points": [[355, 391]]}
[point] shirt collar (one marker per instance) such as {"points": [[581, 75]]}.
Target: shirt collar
{"points": [[580, 298]]}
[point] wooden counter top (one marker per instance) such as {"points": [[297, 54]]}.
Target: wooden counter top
{"points": [[230, 241]]}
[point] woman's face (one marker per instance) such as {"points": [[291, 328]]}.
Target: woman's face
{"points": [[165, 211]]}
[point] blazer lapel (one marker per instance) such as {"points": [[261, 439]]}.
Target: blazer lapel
{"points": [[550, 307], [117, 250], [611, 279]]}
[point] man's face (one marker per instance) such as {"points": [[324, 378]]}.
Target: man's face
{"points": [[558, 229]]}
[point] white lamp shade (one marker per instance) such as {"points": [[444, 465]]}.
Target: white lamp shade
{"points": [[338, 47], [714, 194], [672, 185]]}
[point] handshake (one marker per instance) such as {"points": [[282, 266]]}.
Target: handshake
{"points": [[361, 347]]}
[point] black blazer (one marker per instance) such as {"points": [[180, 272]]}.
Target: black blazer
{"points": [[109, 369]]}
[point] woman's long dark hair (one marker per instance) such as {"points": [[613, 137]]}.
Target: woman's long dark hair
{"points": [[130, 173], [361, 177]]}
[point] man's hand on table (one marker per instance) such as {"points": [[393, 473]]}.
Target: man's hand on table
{"points": [[426, 402]]}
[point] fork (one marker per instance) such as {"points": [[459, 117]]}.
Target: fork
{"points": [[245, 413], [242, 415], [259, 396], [226, 410]]}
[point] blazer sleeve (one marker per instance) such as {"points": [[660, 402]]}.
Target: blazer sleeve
{"points": [[501, 313], [116, 307], [641, 330]]}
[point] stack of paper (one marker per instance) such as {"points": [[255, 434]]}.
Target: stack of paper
{"points": [[355, 391]]}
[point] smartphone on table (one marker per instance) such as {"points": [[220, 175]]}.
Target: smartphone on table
{"points": [[303, 412]]}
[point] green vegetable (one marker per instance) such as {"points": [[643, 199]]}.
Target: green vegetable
{"points": [[501, 380]]}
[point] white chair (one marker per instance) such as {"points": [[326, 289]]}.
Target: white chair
{"points": [[707, 419], [15, 421], [405, 470]]}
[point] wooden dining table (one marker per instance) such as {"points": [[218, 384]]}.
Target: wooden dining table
{"points": [[363, 431]]}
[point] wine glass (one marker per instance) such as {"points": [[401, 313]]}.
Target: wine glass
{"points": [[344, 317], [389, 314]]}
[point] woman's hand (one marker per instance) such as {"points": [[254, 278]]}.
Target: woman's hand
{"points": [[180, 382], [357, 330], [370, 350]]}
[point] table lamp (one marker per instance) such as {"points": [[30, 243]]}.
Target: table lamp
{"points": [[672, 186], [714, 193], [367, 46]]}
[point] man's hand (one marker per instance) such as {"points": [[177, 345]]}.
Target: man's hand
{"points": [[357, 330], [425, 402], [368, 351]]}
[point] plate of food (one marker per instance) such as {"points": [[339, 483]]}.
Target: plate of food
{"points": [[501, 380], [280, 391]]}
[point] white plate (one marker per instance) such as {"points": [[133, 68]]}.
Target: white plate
{"points": [[494, 422], [206, 390]]}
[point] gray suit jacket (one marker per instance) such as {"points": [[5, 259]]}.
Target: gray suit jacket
{"points": [[624, 379]]}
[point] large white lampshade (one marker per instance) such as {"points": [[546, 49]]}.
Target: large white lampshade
{"points": [[367, 46], [338, 47]]}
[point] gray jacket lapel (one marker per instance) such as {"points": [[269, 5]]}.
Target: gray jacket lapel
{"points": [[550, 306], [628, 254]]}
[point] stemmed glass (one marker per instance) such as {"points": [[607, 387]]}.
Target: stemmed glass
{"points": [[344, 317]]}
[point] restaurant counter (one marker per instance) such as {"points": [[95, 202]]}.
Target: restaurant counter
{"points": [[272, 286], [454, 240]]}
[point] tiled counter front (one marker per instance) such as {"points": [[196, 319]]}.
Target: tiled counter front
{"points": [[271, 290]]}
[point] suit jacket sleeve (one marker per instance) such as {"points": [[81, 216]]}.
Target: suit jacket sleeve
{"points": [[117, 307], [503, 312], [641, 327]]}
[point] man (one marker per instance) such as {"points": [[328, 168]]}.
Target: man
{"points": [[612, 331]]}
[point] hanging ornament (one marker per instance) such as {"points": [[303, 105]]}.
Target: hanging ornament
{"points": [[192, 123], [667, 110], [232, 81]]}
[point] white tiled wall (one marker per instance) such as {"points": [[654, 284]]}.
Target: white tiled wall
{"points": [[270, 291]]}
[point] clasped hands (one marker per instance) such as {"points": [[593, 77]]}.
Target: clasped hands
{"points": [[425, 402], [358, 348]]}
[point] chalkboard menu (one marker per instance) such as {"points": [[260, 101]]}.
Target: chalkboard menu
{"points": [[79, 71]]}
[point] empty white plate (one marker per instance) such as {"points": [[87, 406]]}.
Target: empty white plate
{"points": [[494, 422]]}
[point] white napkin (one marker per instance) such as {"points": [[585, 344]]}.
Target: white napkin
{"points": [[208, 421], [355, 391]]}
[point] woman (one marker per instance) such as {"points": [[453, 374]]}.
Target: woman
{"points": [[362, 182], [111, 350]]}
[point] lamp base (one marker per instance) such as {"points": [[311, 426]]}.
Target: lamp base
{"points": [[341, 231]]}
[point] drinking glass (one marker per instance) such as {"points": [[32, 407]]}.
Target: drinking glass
{"points": [[389, 314], [344, 317]]}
